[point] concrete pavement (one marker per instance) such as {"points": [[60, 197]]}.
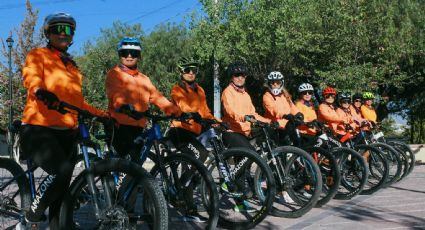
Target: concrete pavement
{"points": [[400, 206]]}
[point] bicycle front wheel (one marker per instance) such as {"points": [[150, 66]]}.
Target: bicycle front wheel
{"points": [[245, 200], [15, 196], [189, 189], [99, 198]]}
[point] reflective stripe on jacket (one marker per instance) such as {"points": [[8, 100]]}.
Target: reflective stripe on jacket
{"points": [[123, 88], [190, 100], [236, 105], [309, 115], [44, 69], [277, 106]]}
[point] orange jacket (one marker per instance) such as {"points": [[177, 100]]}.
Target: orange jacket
{"points": [[357, 114], [348, 119], [328, 115], [43, 69], [277, 106], [138, 90], [309, 115], [369, 113], [237, 104], [190, 100]]}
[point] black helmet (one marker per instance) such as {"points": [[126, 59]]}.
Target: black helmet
{"points": [[55, 18], [237, 68], [357, 96], [187, 62], [344, 96]]}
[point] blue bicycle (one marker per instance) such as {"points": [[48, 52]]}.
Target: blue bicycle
{"points": [[95, 200]]}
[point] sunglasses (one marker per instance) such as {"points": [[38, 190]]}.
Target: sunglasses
{"points": [[307, 92], [239, 75], [345, 101], [358, 100], [187, 70], [329, 95], [61, 28], [133, 53]]}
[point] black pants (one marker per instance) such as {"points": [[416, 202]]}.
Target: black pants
{"points": [[186, 142], [123, 141], [232, 139], [52, 150]]}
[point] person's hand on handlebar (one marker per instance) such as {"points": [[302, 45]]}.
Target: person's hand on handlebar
{"points": [[48, 98], [250, 118]]}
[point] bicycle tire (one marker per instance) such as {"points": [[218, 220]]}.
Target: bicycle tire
{"points": [[356, 168], [207, 187], [105, 168], [378, 168], [16, 197], [406, 149], [296, 179], [331, 174], [394, 161], [226, 220]]}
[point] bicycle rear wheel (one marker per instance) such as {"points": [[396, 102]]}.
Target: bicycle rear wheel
{"points": [[188, 188], [394, 161], [82, 209], [15, 196], [408, 151], [378, 168]]}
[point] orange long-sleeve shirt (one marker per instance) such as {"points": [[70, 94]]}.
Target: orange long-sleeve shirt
{"points": [[237, 104], [368, 113], [309, 115], [328, 115], [190, 100], [277, 106], [44, 69], [138, 90], [348, 118]]}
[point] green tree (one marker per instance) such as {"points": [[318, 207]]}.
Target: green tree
{"points": [[26, 38]]}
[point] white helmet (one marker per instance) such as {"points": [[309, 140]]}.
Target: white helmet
{"points": [[273, 76], [305, 87]]}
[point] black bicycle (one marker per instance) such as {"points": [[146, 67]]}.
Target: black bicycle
{"points": [[185, 181]]}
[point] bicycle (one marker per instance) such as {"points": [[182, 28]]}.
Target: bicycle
{"points": [[296, 174], [353, 167], [94, 191], [184, 180], [245, 200]]}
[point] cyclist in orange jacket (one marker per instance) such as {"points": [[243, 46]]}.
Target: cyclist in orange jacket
{"points": [[47, 136], [306, 107], [238, 108], [126, 85], [277, 103], [367, 109], [190, 97], [327, 112], [344, 110]]}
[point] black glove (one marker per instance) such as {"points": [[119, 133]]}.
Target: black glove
{"points": [[274, 124], [249, 118], [196, 116], [126, 108], [299, 116], [289, 117], [48, 98]]}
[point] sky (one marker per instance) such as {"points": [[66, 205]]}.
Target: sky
{"points": [[92, 15]]}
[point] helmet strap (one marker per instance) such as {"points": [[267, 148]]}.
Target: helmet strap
{"points": [[238, 88]]}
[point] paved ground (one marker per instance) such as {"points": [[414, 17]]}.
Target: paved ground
{"points": [[401, 206]]}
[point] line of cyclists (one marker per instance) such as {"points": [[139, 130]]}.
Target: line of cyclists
{"points": [[309, 174]]}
